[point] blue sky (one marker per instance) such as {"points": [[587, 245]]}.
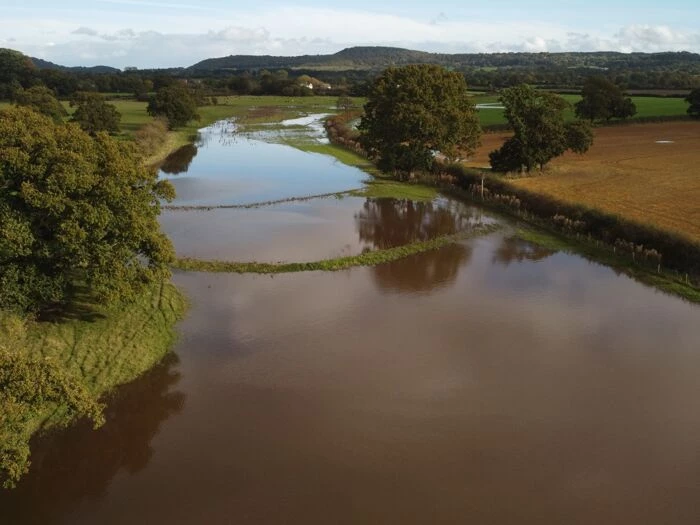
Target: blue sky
{"points": [[166, 33]]}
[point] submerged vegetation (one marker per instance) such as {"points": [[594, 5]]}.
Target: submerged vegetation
{"points": [[368, 258]]}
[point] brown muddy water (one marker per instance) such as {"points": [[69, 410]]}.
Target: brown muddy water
{"points": [[316, 229], [489, 382]]}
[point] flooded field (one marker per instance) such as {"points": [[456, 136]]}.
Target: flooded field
{"points": [[492, 381], [226, 168], [312, 230]]}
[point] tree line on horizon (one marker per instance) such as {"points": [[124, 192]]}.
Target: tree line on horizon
{"points": [[269, 75]]}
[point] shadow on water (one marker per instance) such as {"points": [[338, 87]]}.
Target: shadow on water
{"points": [[512, 249], [77, 465], [179, 161]]}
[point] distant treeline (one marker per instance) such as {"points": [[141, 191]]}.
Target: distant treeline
{"points": [[350, 71]]}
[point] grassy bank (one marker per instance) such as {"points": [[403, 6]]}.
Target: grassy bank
{"points": [[371, 258], [91, 349]]}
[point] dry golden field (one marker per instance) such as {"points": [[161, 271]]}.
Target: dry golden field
{"points": [[646, 172]]}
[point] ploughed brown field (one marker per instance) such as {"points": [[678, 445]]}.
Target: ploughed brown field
{"points": [[646, 172]]}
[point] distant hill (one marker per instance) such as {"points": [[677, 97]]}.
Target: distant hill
{"points": [[350, 58], [376, 57], [45, 64]]}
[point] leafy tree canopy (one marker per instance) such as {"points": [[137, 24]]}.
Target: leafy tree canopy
{"points": [[93, 114], [43, 100], [415, 111], [694, 100], [176, 103], [603, 100], [16, 71], [539, 131], [75, 212]]}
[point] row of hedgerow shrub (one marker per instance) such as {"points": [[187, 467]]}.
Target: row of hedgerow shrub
{"points": [[677, 252]]}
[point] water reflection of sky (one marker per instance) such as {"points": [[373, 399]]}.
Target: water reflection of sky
{"points": [[234, 169]]}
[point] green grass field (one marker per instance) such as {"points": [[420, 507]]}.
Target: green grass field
{"points": [[262, 109], [646, 107]]}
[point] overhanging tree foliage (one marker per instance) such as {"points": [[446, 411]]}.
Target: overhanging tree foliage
{"points": [[414, 112], [27, 385], [539, 131], [174, 102], [76, 212], [603, 100]]}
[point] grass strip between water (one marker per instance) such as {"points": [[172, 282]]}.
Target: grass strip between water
{"points": [[370, 258]]}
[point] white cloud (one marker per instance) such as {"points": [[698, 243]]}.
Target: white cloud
{"points": [[84, 31], [655, 38], [178, 39]]}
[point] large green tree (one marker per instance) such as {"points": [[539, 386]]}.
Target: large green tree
{"points": [[602, 100], [174, 102], [415, 112], [43, 100], [693, 99], [17, 71], [93, 114], [76, 213], [539, 131]]}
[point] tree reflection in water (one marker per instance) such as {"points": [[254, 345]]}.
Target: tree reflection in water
{"points": [[425, 271], [78, 464], [514, 249], [179, 161], [385, 223]]}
